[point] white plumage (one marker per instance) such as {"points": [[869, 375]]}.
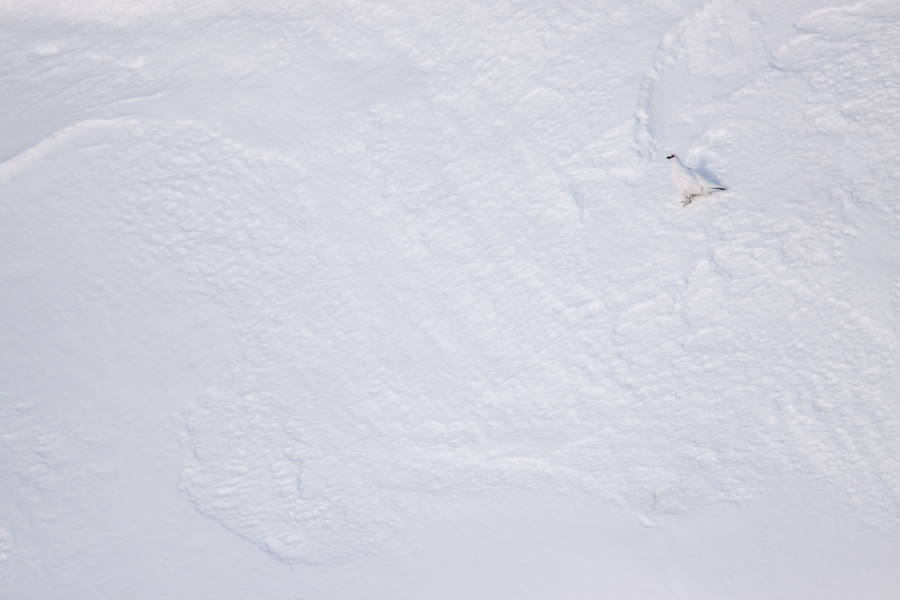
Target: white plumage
{"points": [[689, 182]]}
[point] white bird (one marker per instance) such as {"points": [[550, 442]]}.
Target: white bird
{"points": [[689, 182]]}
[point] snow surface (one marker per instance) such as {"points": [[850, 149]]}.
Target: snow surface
{"points": [[374, 299]]}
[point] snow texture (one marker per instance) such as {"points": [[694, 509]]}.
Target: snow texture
{"points": [[377, 264]]}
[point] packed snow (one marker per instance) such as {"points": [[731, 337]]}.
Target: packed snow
{"points": [[379, 299]]}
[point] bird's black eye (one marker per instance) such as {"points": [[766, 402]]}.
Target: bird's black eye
{"points": [[669, 156]]}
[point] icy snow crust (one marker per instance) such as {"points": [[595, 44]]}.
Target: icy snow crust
{"points": [[442, 245]]}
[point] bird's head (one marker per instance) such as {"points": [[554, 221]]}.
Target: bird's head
{"points": [[670, 156]]}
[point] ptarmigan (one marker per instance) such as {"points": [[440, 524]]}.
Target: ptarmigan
{"points": [[691, 183]]}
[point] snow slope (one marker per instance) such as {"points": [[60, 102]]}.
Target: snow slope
{"points": [[402, 296]]}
